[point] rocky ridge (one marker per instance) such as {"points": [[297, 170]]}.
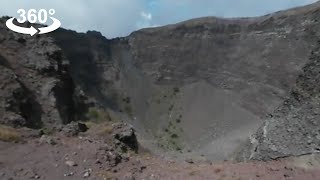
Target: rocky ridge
{"points": [[198, 88], [36, 88], [293, 129]]}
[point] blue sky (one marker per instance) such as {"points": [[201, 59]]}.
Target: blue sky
{"points": [[120, 17]]}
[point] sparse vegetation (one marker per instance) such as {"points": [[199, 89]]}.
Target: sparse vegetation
{"points": [[9, 134], [127, 100], [128, 110], [171, 108], [169, 138], [47, 131], [174, 136], [176, 90], [105, 129], [89, 124], [192, 173], [217, 170], [93, 114], [98, 115]]}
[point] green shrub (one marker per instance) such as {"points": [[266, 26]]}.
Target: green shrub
{"points": [[98, 115]]}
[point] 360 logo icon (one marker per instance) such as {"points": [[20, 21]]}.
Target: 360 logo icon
{"points": [[34, 16]]}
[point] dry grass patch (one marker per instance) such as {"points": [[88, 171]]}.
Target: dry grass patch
{"points": [[193, 173], [106, 129], [101, 129], [9, 134]]}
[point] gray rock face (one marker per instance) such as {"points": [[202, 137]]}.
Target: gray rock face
{"points": [[36, 87], [230, 73], [126, 135], [294, 128], [204, 84], [18, 107], [74, 128]]}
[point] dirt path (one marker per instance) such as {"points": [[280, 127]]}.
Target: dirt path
{"points": [[59, 157]]}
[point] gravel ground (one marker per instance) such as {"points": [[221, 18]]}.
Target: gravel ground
{"points": [[88, 157]]}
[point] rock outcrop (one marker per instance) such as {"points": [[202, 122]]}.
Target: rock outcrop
{"points": [[36, 87], [125, 134], [294, 128]]}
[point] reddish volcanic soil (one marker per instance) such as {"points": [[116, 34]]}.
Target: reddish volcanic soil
{"points": [[85, 157]]}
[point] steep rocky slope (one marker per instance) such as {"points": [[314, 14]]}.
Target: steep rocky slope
{"points": [[199, 88], [293, 129], [36, 87]]}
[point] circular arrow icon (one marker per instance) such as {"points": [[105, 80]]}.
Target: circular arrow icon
{"points": [[32, 18], [56, 24], [31, 30]]}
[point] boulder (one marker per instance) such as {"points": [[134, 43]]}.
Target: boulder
{"points": [[126, 135], [74, 128]]}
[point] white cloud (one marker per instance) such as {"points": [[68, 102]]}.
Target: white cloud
{"points": [[146, 16], [146, 21]]}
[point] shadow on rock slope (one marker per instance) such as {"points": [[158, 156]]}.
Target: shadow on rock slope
{"points": [[198, 88]]}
